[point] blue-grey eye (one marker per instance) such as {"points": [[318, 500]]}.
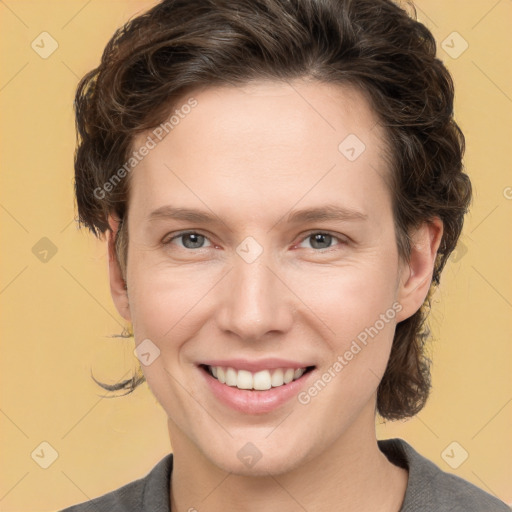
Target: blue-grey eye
{"points": [[190, 240], [321, 240]]}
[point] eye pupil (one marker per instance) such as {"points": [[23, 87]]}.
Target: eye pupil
{"points": [[194, 236], [321, 238]]}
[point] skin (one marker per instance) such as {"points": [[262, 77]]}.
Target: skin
{"points": [[252, 155]]}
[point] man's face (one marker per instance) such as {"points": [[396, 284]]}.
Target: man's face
{"points": [[262, 287]]}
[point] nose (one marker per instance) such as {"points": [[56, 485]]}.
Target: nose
{"points": [[255, 301]]}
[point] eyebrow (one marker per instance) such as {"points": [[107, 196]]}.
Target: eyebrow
{"points": [[327, 212], [323, 213]]}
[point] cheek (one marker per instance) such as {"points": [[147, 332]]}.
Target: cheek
{"points": [[165, 300], [351, 298], [360, 312], [358, 306]]}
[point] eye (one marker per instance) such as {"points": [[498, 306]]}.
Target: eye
{"points": [[322, 240], [194, 240], [190, 240]]}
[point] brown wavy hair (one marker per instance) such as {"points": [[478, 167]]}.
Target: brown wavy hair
{"points": [[373, 45]]}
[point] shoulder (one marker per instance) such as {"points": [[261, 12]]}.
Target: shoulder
{"points": [[150, 493], [430, 488]]}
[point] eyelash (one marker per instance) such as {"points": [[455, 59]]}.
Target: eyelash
{"points": [[341, 240]]}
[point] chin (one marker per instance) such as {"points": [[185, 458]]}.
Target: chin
{"points": [[252, 459]]}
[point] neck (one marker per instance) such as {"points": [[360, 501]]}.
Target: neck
{"points": [[352, 475]]}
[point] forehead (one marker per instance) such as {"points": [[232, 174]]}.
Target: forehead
{"points": [[265, 139]]}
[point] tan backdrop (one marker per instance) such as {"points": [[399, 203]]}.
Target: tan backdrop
{"points": [[61, 441]]}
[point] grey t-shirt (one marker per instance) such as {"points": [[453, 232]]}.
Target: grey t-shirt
{"points": [[428, 490]]}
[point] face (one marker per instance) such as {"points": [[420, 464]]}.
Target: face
{"points": [[262, 244]]}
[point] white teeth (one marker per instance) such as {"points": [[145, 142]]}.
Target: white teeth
{"points": [[288, 375], [260, 381], [244, 380], [277, 378], [298, 373], [221, 376], [231, 377]]}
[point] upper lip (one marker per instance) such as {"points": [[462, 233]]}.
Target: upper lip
{"points": [[256, 365]]}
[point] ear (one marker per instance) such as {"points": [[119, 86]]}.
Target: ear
{"points": [[416, 274], [118, 288]]}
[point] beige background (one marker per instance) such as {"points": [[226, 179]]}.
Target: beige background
{"points": [[56, 309]]}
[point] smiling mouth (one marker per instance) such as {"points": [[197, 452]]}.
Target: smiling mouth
{"points": [[255, 381]]}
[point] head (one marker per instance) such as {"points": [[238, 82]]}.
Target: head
{"points": [[251, 112]]}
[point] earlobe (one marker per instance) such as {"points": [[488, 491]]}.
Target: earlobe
{"points": [[117, 283], [416, 276]]}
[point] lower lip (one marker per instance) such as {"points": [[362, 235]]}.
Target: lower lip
{"points": [[254, 402]]}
